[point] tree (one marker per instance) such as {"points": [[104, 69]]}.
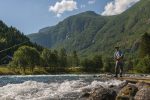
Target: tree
{"points": [[26, 56], [108, 65], [46, 57], [98, 63], [87, 63], [144, 46], [75, 59], [93, 65], [63, 58], [144, 65], [54, 58]]}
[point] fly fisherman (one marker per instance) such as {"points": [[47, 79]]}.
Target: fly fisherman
{"points": [[118, 57]]}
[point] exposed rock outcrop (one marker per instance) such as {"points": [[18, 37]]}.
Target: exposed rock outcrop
{"points": [[143, 93], [127, 93], [100, 93]]}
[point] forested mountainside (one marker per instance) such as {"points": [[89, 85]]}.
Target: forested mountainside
{"points": [[89, 32], [10, 40]]}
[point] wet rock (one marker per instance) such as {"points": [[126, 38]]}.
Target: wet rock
{"points": [[102, 94], [140, 85], [143, 94], [85, 95], [127, 93]]}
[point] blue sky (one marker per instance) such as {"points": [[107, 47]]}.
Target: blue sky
{"points": [[31, 15]]}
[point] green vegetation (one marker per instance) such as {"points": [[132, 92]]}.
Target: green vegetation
{"points": [[11, 37], [28, 60], [82, 43], [143, 66], [144, 49], [89, 33], [93, 65], [26, 57]]}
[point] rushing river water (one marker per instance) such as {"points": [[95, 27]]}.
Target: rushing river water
{"points": [[49, 87]]}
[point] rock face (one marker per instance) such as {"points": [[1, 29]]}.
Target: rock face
{"points": [[100, 93], [143, 94], [127, 93]]}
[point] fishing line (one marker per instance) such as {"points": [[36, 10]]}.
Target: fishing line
{"points": [[13, 46]]}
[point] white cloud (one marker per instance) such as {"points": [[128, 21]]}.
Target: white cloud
{"points": [[91, 1], [118, 6], [64, 5]]}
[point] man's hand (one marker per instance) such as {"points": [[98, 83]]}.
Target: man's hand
{"points": [[117, 59]]}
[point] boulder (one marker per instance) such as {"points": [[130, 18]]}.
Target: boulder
{"points": [[140, 85], [100, 93], [127, 93], [143, 94]]}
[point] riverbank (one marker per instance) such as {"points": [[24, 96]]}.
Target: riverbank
{"points": [[4, 70]]}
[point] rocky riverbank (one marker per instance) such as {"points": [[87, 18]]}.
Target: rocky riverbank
{"points": [[135, 87]]}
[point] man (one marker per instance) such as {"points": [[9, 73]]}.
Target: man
{"points": [[118, 56]]}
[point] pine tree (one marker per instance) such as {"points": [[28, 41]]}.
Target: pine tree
{"points": [[144, 46], [75, 59], [63, 58]]}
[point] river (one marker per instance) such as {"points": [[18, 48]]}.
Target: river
{"points": [[50, 87]]}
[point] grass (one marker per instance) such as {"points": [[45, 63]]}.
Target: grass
{"points": [[4, 70]]}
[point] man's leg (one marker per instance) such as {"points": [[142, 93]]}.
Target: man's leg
{"points": [[121, 68], [116, 69]]}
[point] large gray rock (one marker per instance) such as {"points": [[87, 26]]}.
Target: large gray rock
{"points": [[143, 94], [100, 93], [140, 85]]}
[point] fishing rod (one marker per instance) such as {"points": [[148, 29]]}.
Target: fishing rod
{"points": [[13, 46]]}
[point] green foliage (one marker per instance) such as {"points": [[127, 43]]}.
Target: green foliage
{"points": [[63, 58], [144, 46], [75, 59], [26, 56], [49, 58], [144, 65], [97, 62], [9, 37], [46, 57], [109, 65], [94, 65]]}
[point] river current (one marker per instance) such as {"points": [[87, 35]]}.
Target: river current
{"points": [[50, 87]]}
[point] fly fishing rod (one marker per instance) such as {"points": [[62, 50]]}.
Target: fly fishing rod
{"points": [[13, 46]]}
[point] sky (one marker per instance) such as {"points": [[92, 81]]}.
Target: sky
{"points": [[29, 16]]}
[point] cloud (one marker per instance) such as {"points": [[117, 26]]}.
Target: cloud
{"points": [[91, 1], [118, 6], [64, 5]]}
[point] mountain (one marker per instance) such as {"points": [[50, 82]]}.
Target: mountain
{"points": [[89, 32], [10, 37]]}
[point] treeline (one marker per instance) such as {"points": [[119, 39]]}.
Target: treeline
{"points": [[53, 61]]}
